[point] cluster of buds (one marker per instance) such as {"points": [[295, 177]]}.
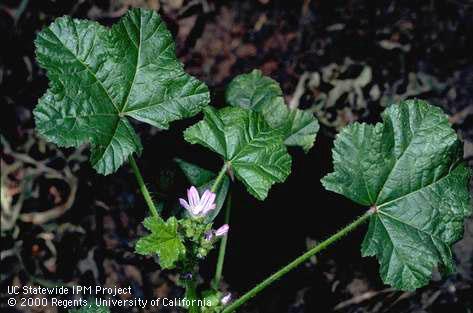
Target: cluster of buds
{"points": [[202, 237]]}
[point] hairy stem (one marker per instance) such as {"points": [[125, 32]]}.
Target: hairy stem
{"points": [[143, 188], [223, 246], [301, 259], [219, 178]]}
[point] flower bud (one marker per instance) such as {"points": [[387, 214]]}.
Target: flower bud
{"points": [[222, 230], [209, 235], [226, 298]]}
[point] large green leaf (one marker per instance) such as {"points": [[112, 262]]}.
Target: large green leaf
{"points": [[254, 150], [100, 77], [408, 169], [262, 94], [164, 241]]}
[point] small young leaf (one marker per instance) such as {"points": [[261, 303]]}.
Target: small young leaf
{"points": [[164, 241], [196, 175], [100, 77], [253, 91], [204, 179], [262, 94], [409, 168], [253, 149]]}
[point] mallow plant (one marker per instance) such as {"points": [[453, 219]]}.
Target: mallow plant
{"points": [[406, 171]]}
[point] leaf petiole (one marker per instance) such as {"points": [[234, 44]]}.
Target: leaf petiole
{"points": [[219, 178], [298, 261], [144, 190], [223, 246]]}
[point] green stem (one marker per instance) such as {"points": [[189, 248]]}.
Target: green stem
{"points": [[219, 178], [223, 246], [143, 188], [191, 294], [301, 259]]}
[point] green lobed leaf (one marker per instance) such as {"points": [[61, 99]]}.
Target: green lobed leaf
{"points": [[164, 241], [253, 149], [262, 94], [100, 77], [204, 179], [303, 129], [409, 168]]}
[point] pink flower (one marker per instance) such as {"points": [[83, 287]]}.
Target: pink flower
{"points": [[222, 230], [198, 206]]}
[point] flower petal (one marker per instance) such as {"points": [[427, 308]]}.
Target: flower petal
{"points": [[197, 210], [207, 209], [207, 200], [184, 204], [205, 197], [193, 196], [212, 198]]}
